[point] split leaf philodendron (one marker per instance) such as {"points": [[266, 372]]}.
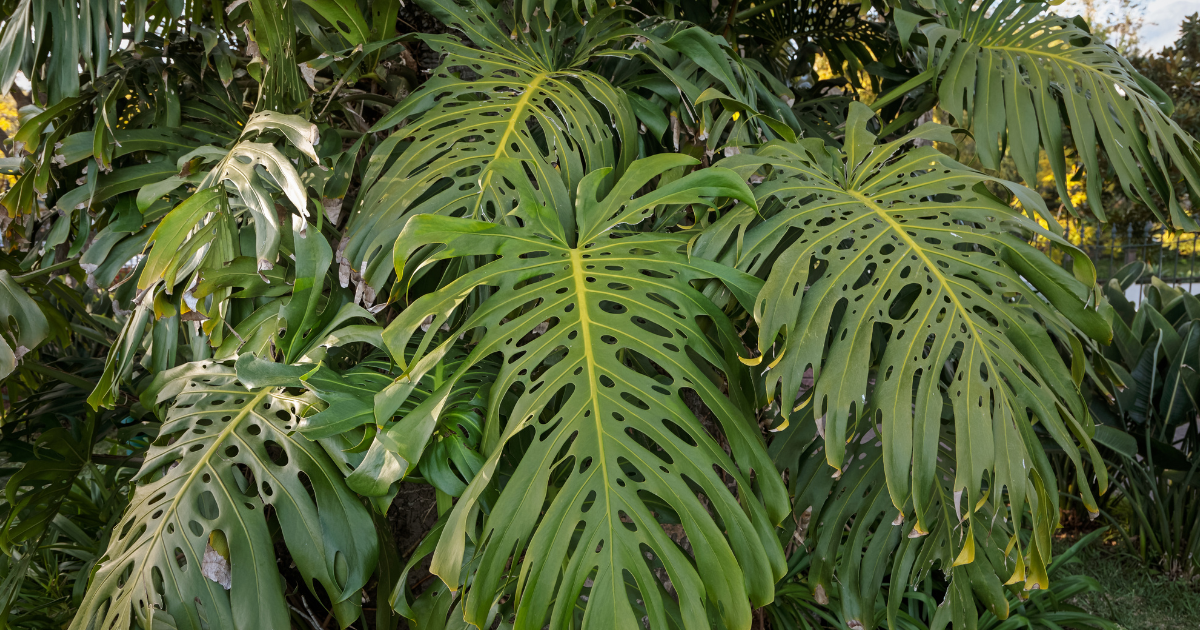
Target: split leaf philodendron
{"points": [[621, 316], [599, 408]]}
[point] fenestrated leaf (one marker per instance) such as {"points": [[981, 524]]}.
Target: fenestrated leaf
{"points": [[599, 342], [256, 373], [857, 538], [198, 243], [189, 234], [239, 169], [346, 17], [1011, 65], [533, 101], [175, 228], [299, 131], [895, 278], [223, 455]]}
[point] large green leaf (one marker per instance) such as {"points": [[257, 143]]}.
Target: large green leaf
{"points": [[532, 100], [242, 168], [22, 324], [197, 242], [346, 17], [1006, 68], [275, 34], [225, 454], [600, 341], [200, 233], [12, 44], [896, 278], [858, 540]]}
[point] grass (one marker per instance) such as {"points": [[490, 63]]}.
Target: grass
{"points": [[1134, 596]]}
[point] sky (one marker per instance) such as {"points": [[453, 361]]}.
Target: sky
{"points": [[1163, 18], [1166, 16]]}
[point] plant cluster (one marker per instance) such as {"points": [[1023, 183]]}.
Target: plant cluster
{"points": [[1143, 393], [673, 327]]}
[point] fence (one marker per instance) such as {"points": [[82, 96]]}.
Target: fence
{"points": [[1170, 256]]}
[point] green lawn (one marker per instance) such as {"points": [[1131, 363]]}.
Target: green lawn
{"points": [[1135, 597]]}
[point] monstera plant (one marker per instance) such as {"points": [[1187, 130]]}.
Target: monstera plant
{"points": [[644, 307]]}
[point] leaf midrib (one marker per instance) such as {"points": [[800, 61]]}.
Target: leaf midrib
{"points": [[1035, 53], [1030, 52], [585, 323], [204, 459], [502, 145], [916, 249], [964, 314]]}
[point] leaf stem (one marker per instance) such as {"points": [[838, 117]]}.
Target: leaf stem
{"points": [[33, 275], [729, 26], [123, 461], [903, 89], [756, 9], [70, 379]]}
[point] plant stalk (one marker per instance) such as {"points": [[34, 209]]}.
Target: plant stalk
{"points": [[756, 9], [33, 275], [904, 88]]}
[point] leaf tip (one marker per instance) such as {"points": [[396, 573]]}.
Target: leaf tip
{"points": [[751, 361]]}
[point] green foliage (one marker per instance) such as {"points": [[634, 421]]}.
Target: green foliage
{"points": [[372, 454], [564, 264], [225, 453], [533, 101], [920, 269], [790, 34], [1001, 64], [919, 608], [603, 447], [1144, 391], [1174, 70], [65, 473], [25, 326]]}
